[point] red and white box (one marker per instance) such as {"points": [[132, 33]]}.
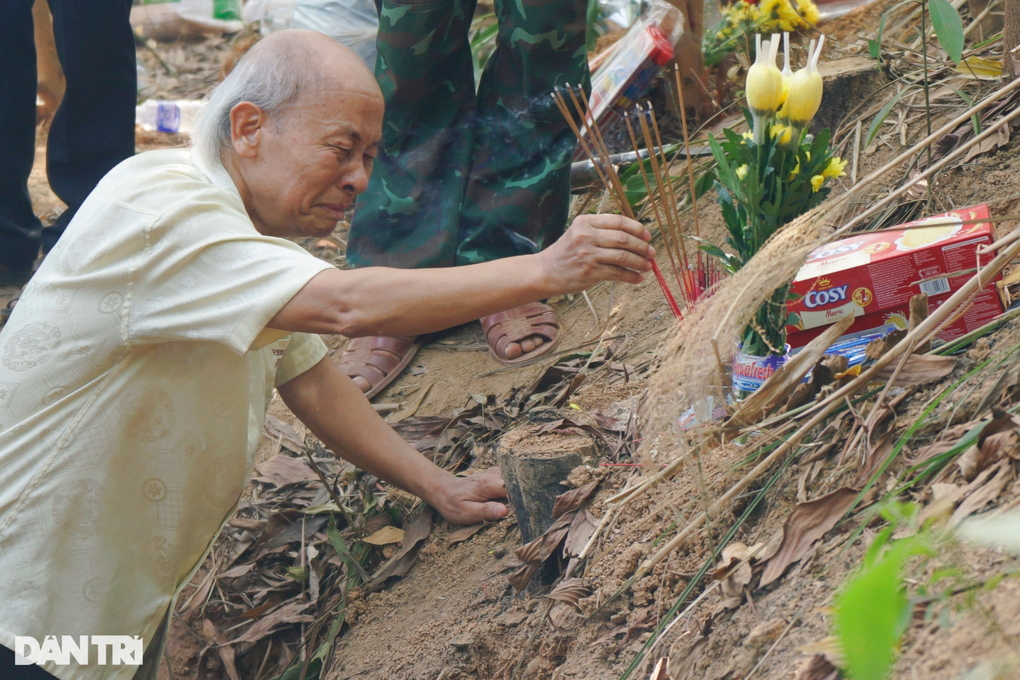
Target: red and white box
{"points": [[872, 276]]}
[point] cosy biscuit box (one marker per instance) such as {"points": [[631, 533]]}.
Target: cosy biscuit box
{"points": [[872, 276]]}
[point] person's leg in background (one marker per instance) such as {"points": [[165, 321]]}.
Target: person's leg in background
{"points": [[410, 215], [20, 229], [94, 128], [10, 671], [518, 192]]}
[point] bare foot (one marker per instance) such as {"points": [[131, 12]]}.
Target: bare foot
{"points": [[529, 344], [527, 331]]}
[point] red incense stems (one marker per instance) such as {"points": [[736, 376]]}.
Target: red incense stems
{"points": [[665, 290]]}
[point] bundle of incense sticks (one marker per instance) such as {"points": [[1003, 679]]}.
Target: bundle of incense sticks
{"points": [[694, 277], [605, 169]]}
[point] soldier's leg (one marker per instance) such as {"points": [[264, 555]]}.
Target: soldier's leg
{"points": [[518, 191], [94, 128], [410, 214], [19, 227]]}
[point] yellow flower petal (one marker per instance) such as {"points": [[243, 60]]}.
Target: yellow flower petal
{"points": [[783, 132], [742, 172], [816, 182], [834, 168]]}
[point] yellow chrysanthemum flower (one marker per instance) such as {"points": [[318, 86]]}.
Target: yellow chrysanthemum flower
{"points": [[816, 182], [789, 19], [809, 10], [834, 168], [783, 132], [742, 172]]}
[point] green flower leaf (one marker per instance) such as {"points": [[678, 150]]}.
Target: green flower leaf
{"points": [[948, 27]]}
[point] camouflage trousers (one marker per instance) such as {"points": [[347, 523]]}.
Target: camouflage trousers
{"points": [[464, 177]]}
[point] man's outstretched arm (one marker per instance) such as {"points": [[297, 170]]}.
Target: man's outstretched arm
{"points": [[395, 302], [336, 412]]}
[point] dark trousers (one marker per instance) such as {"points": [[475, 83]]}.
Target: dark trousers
{"points": [[8, 671], [465, 176], [92, 131]]}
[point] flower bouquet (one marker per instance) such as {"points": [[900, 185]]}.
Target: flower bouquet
{"points": [[745, 18], [769, 176]]}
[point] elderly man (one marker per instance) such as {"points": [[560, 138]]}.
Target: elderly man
{"points": [[135, 372]]}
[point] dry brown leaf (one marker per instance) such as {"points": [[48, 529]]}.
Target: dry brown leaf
{"points": [[415, 534], [829, 648], [520, 578], [570, 592], [386, 535], [281, 470], [542, 547], [285, 434], [735, 579], [985, 494], [237, 571], [464, 533], [919, 369], [411, 408], [944, 499], [661, 670], [947, 440], [876, 456], [579, 532], [573, 499], [818, 668], [781, 384], [225, 652], [806, 524], [285, 615]]}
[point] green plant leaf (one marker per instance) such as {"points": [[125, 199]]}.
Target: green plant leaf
{"points": [[974, 120], [872, 612], [948, 27], [874, 46], [880, 118]]}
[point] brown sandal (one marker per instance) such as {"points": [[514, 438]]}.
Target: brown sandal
{"points": [[517, 324], [377, 359]]}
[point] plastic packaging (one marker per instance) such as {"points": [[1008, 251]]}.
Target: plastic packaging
{"points": [[271, 15], [168, 116], [353, 23], [635, 60], [750, 371], [203, 13]]}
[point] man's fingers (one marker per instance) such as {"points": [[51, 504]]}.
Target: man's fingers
{"points": [[493, 511], [619, 223], [623, 259], [623, 241], [491, 483], [613, 273]]}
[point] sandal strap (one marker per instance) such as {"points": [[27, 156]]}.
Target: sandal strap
{"points": [[516, 324]]}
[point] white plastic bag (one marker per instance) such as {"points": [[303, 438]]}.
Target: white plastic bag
{"points": [[200, 13], [353, 23]]}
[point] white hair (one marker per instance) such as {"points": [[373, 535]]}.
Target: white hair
{"points": [[268, 78]]}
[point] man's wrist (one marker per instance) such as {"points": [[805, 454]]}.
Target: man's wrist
{"points": [[435, 487], [542, 277]]}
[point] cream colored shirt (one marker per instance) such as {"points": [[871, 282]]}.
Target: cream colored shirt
{"points": [[135, 373]]}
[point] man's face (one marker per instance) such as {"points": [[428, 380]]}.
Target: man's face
{"points": [[313, 159]]}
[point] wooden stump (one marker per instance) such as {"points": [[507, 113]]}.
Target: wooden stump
{"points": [[848, 82], [533, 466]]}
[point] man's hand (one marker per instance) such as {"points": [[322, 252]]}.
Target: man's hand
{"points": [[468, 500], [598, 248], [336, 411]]}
